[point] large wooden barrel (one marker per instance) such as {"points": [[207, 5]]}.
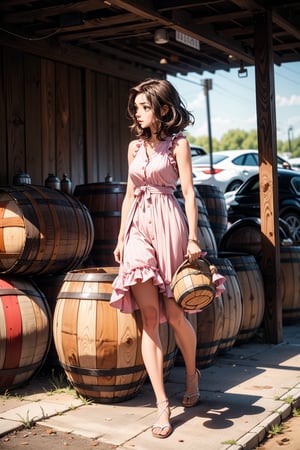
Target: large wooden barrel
{"points": [[290, 283], [205, 233], [25, 331], [214, 200], [104, 202], [98, 346], [42, 230], [244, 235], [252, 293], [50, 286], [232, 304], [208, 326]]}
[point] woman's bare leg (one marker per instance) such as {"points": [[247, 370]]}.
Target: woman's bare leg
{"points": [[186, 340], [146, 296]]}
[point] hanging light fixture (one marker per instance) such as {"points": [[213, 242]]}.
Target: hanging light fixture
{"points": [[161, 36], [242, 72], [163, 61]]}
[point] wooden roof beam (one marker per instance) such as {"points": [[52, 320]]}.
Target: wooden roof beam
{"points": [[44, 13], [183, 22], [287, 26]]}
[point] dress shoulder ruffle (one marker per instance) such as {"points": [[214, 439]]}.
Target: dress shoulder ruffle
{"points": [[170, 149], [137, 147]]}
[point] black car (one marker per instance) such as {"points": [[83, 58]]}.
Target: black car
{"points": [[197, 150], [245, 201]]}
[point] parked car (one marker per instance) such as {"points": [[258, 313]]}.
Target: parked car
{"points": [[197, 150], [295, 163], [229, 168], [245, 201]]}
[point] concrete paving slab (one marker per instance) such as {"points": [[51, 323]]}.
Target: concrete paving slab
{"points": [[7, 426], [35, 411]]}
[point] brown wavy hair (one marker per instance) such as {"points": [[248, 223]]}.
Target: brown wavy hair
{"points": [[159, 93]]}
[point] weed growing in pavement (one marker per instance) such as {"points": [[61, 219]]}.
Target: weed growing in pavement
{"points": [[85, 400], [289, 399], [6, 395], [296, 412], [44, 416], [276, 429], [229, 442], [60, 383], [72, 407], [27, 422]]}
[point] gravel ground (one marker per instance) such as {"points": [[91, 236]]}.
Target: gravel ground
{"points": [[40, 437]]}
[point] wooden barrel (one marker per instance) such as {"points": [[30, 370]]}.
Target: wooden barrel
{"points": [[232, 304], [244, 235], [104, 201], [42, 230], [214, 200], [50, 286], [205, 233], [25, 331], [290, 283], [98, 346], [208, 326], [252, 293]]}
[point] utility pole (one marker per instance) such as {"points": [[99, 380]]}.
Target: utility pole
{"points": [[290, 137], [207, 86]]}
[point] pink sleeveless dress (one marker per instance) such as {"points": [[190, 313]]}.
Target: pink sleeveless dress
{"points": [[156, 233]]}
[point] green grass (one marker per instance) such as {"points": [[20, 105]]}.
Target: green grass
{"points": [[276, 429]]}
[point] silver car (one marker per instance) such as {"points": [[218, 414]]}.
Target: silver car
{"points": [[228, 169]]}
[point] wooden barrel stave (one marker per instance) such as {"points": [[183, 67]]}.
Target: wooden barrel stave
{"points": [[232, 304], [252, 293], [205, 233], [290, 283], [214, 200], [25, 321]]}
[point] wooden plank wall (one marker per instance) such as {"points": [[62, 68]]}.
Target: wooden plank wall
{"points": [[56, 118]]}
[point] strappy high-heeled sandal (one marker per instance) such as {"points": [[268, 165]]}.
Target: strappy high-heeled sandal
{"points": [[161, 427], [190, 400]]}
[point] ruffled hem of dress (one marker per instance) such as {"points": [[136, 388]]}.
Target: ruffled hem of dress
{"points": [[122, 297], [219, 281]]}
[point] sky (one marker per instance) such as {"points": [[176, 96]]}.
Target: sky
{"points": [[232, 101]]}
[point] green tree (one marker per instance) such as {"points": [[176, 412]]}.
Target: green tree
{"points": [[251, 140], [239, 139], [203, 142], [233, 139], [295, 147]]}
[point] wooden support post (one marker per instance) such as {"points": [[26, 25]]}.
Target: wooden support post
{"points": [[266, 130]]}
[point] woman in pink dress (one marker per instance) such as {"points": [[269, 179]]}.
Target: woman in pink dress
{"points": [[155, 236]]}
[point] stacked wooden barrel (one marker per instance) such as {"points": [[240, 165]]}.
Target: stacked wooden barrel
{"points": [[245, 236], [42, 231]]}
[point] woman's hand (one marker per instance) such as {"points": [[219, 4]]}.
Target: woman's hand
{"points": [[118, 252], [193, 250]]}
